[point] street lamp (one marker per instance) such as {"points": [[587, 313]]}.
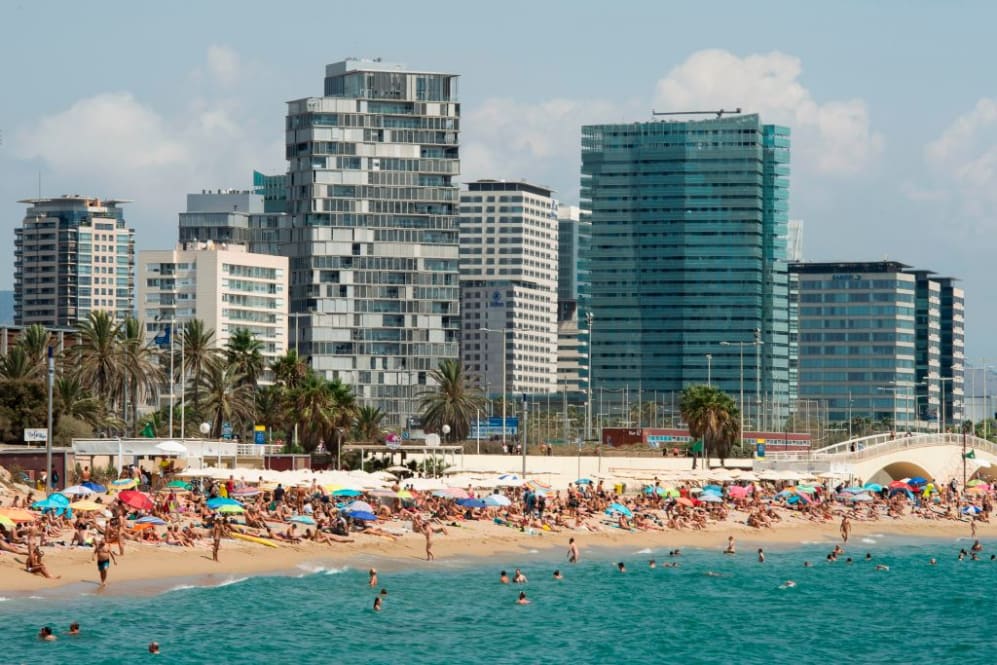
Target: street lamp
{"points": [[589, 318], [891, 388], [709, 369], [504, 392], [741, 345]]}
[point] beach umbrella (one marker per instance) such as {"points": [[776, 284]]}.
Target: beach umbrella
{"points": [[143, 526], [917, 480], [96, 487], [974, 482], [399, 469], [76, 490], [151, 519], [906, 490], [805, 489], [171, 447], [358, 506], [853, 490], [302, 519], [695, 490], [178, 485], [230, 509], [684, 501], [972, 510], [18, 514], [738, 491], [346, 492], [898, 485], [6, 522], [716, 489], [861, 498], [668, 492], [711, 497], [619, 508], [583, 481], [873, 487], [218, 502], [363, 515], [497, 500], [135, 499], [538, 485], [123, 484], [471, 503], [86, 506]]}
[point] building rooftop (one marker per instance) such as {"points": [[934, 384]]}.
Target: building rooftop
{"points": [[352, 64], [69, 199], [848, 266], [487, 185]]}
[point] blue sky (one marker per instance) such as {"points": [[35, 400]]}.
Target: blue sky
{"points": [[893, 105]]}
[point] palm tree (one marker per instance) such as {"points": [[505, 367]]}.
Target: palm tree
{"points": [[712, 416], [344, 405], [199, 353], [244, 353], [96, 358], [35, 340], [453, 402], [313, 408], [226, 397], [368, 423], [289, 370], [142, 373], [76, 401], [17, 364], [271, 410]]}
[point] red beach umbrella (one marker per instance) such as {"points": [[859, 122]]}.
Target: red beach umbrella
{"points": [[135, 499]]}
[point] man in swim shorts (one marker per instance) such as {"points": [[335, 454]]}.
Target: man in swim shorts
{"points": [[104, 555]]}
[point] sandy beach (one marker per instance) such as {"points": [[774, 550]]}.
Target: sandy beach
{"points": [[158, 564]]}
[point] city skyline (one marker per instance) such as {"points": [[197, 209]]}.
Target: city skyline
{"points": [[881, 168]]}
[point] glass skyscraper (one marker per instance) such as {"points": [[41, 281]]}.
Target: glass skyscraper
{"points": [[689, 238], [372, 241]]}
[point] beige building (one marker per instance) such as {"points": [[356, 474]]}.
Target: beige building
{"points": [[225, 286]]}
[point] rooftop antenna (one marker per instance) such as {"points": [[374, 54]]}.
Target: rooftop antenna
{"points": [[719, 113]]}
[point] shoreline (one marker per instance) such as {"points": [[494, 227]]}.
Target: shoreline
{"points": [[148, 569]]}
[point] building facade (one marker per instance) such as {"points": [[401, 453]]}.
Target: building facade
{"points": [[688, 260], [880, 341], [226, 287], [73, 255], [574, 242], [372, 241], [508, 286]]}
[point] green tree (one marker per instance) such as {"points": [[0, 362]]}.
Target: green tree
{"points": [[199, 353], [289, 370], [713, 417], [452, 402], [23, 404], [96, 358], [35, 340], [244, 354], [344, 405], [314, 410], [226, 398], [17, 365], [75, 401], [141, 375], [369, 423]]}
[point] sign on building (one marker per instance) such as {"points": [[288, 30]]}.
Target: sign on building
{"points": [[35, 434]]}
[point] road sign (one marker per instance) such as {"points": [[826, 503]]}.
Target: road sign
{"points": [[35, 434], [226, 431], [260, 434]]}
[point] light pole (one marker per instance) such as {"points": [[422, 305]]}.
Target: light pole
{"points": [[849, 415], [740, 346], [892, 388], [589, 318], [48, 436], [436, 466], [709, 369], [525, 439], [504, 393]]}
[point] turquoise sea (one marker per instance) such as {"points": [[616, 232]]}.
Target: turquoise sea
{"points": [[455, 611]]}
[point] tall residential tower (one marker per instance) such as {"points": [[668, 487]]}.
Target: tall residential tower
{"points": [[373, 237], [688, 260], [73, 255]]}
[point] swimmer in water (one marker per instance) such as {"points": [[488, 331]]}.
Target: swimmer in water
{"points": [[933, 562], [731, 549], [519, 578], [882, 566], [807, 564], [651, 564], [74, 628], [522, 600], [620, 567], [788, 584], [377, 603], [46, 634], [761, 555], [710, 573], [868, 556], [153, 647], [558, 575], [373, 578], [504, 577]]}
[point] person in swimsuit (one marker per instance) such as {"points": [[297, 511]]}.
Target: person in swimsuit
{"points": [[504, 578], [216, 535], [104, 556], [572, 551], [35, 565], [377, 603], [46, 634], [373, 578], [519, 578], [522, 600]]}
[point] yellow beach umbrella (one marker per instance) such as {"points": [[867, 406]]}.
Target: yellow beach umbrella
{"points": [[87, 506]]}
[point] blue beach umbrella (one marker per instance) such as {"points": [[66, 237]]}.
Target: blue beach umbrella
{"points": [[853, 490], [710, 497], [497, 500], [619, 508], [302, 519], [362, 515], [471, 503], [218, 502], [716, 489], [347, 492], [971, 510], [918, 480], [96, 487], [873, 487], [359, 506], [583, 481]]}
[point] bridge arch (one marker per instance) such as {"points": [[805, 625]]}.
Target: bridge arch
{"points": [[897, 471]]}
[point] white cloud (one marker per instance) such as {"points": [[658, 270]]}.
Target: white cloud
{"points": [[224, 64], [834, 137], [963, 159]]}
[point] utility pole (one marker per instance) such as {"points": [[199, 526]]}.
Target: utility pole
{"points": [[524, 433], [48, 437]]}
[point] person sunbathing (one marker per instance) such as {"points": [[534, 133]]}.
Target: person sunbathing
{"points": [[325, 538], [36, 566]]}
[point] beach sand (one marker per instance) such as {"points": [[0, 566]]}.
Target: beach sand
{"points": [[157, 565]]}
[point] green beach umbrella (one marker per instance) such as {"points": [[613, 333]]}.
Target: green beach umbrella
{"points": [[231, 510], [178, 485]]}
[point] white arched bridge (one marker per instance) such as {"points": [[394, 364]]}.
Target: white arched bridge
{"points": [[884, 457]]}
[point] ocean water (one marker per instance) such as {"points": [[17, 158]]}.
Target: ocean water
{"points": [[455, 611]]}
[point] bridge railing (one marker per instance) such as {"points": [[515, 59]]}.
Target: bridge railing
{"points": [[870, 449]]}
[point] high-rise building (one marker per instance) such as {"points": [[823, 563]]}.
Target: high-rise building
{"points": [[373, 239], [226, 287], [879, 340], [574, 240], [73, 255], [236, 217], [688, 259], [508, 286]]}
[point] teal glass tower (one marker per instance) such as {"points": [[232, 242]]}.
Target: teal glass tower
{"points": [[690, 283]]}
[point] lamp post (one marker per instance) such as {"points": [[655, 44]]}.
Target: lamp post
{"points": [[525, 410], [504, 393], [589, 318], [436, 466], [709, 369], [48, 436], [740, 345]]}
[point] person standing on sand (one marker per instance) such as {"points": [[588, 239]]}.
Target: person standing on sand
{"points": [[572, 551], [427, 530], [846, 528], [216, 535], [104, 556]]}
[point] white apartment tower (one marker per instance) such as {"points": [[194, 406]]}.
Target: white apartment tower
{"points": [[508, 286], [73, 255], [224, 286], [373, 232]]}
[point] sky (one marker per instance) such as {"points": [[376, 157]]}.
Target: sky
{"points": [[892, 104]]}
